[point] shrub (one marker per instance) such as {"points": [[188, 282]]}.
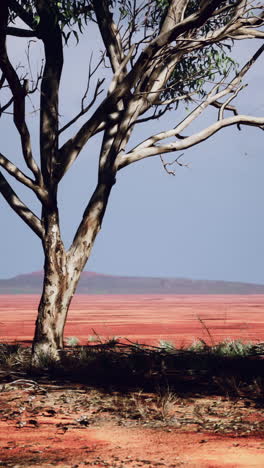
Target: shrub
{"points": [[166, 345], [72, 341], [232, 348], [197, 346]]}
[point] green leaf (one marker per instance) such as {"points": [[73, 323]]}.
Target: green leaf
{"points": [[36, 19]]}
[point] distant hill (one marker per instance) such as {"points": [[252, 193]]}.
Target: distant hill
{"points": [[94, 283]]}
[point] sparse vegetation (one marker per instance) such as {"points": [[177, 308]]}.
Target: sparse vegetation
{"points": [[233, 348], [13, 355], [43, 411], [166, 345], [166, 404], [94, 339], [208, 389], [230, 367], [163, 407], [72, 341], [197, 345], [229, 347]]}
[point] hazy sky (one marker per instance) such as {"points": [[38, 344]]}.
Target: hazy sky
{"points": [[205, 223]]}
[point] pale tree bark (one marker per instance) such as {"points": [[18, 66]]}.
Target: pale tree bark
{"points": [[142, 67], [56, 294], [62, 272]]}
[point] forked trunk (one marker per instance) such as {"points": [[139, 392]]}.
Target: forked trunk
{"points": [[52, 311], [62, 271], [58, 288]]}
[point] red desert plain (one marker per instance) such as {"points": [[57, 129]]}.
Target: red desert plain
{"points": [[144, 318], [72, 425]]}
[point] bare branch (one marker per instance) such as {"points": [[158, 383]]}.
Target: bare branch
{"points": [[71, 149], [134, 23], [233, 109], [18, 93], [225, 8], [5, 106], [49, 114], [109, 33], [24, 15], [156, 115], [218, 105], [168, 102], [190, 141], [90, 74], [19, 32], [176, 161], [35, 82], [175, 14], [213, 96], [225, 104], [247, 33], [154, 70], [20, 208], [2, 80], [104, 113], [91, 222], [119, 72], [69, 152], [17, 173], [237, 10], [84, 110]]}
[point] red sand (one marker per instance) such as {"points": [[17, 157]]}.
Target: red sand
{"points": [[147, 319], [143, 318]]}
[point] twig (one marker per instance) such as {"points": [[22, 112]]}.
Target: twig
{"points": [[207, 330], [176, 161]]}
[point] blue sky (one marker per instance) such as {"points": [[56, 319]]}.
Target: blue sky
{"points": [[204, 223]]}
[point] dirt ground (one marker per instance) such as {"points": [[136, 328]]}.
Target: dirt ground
{"points": [[147, 319], [74, 426], [66, 425]]}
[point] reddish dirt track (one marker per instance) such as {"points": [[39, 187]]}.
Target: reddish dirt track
{"points": [[145, 319], [116, 447]]}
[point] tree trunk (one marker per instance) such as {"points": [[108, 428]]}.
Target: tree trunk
{"points": [[53, 308], [58, 289], [62, 272]]}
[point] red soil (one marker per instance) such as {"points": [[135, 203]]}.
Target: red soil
{"points": [[123, 447], [42, 430], [32, 436], [143, 318]]}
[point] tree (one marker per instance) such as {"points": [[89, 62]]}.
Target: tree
{"points": [[161, 54]]}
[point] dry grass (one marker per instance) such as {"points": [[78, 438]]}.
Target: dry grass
{"points": [[228, 368]]}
